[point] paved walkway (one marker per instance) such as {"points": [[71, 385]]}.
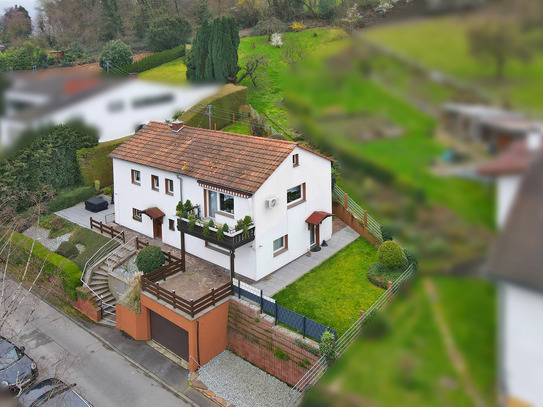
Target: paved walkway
{"points": [[78, 214], [286, 275]]}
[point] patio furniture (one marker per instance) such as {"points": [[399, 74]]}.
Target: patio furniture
{"points": [[96, 204]]}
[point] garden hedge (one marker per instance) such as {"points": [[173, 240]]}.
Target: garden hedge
{"points": [[94, 163], [66, 270], [379, 275], [230, 98], [70, 198], [149, 259], [390, 254], [154, 60]]}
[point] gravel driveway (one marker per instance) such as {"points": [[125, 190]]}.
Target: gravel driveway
{"points": [[42, 235], [242, 384]]}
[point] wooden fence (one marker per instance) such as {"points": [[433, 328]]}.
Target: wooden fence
{"points": [[170, 258], [150, 283], [107, 230]]}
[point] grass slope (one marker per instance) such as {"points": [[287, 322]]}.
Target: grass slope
{"points": [[171, 72], [335, 292]]}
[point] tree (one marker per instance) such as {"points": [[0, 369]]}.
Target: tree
{"points": [[269, 26], [498, 43], [17, 24], [253, 67], [293, 52], [116, 53], [214, 52], [326, 9], [168, 32]]}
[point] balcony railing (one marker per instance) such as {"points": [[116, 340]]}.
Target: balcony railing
{"points": [[229, 240]]}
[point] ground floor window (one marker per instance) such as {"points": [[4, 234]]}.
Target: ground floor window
{"points": [[280, 245], [172, 224], [136, 214]]}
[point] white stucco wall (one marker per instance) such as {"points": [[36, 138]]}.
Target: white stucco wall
{"points": [[254, 260], [507, 189], [522, 339]]}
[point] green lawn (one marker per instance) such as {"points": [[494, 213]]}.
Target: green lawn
{"points": [[410, 367], [335, 292], [239, 128], [441, 43], [92, 242], [172, 72]]}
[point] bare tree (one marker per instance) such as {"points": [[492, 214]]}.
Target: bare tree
{"points": [[253, 67], [293, 52]]}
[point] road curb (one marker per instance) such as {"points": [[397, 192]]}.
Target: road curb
{"points": [[121, 353]]}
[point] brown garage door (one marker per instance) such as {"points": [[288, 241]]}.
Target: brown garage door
{"points": [[170, 336]]}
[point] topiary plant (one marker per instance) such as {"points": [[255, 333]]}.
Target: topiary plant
{"points": [[386, 233], [390, 254], [327, 347], [149, 259]]}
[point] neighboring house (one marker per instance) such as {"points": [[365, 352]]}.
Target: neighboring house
{"points": [[494, 128], [115, 107], [516, 265], [508, 169], [284, 187]]}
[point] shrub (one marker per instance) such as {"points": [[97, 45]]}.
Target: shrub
{"points": [[390, 254], [108, 191], [94, 163], [68, 250], [411, 259], [83, 293], [152, 61], [380, 275], [149, 259], [279, 354], [386, 233], [225, 228], [327, 347], [131, 298], [268, 26], [220, 234], [298, 26], [117, 53], [71, 198], [277, 40], [57, 223], [54, 264], [301, 344], [376, 326], [167, 32]]}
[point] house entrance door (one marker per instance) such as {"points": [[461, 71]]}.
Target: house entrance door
{"points": [[157, 228], [313, 235]]}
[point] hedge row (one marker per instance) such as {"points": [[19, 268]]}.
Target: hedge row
{"points": [[230, 97], [54, 265], [94, 163], [71, 198], [154, 60]]}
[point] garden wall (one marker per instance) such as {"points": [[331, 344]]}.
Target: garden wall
{"points": [[272, 348], [88, 308], [350, 220]]}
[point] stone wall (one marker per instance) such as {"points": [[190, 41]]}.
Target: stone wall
{"points": [[255, 338]]}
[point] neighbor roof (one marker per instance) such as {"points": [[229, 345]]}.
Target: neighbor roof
{"points": [[231, 160], [517, 254], [514, 160]]}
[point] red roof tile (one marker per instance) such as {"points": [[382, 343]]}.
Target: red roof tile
{"points": [[317, 217], [514, 160]]}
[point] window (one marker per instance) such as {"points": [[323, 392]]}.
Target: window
{"points": [[136, 177], [280, 245], [211, 203], [172, 224], [136, 214], [295, 160], [115, 106], [169, 186], [154, 182], [295, 195], [226, 203]]}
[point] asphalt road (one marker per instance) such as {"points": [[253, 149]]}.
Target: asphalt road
{"points": [[62, 349]]}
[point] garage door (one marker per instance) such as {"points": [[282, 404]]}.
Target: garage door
{"points": [[170, 336]]}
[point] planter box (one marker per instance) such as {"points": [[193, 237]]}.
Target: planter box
{"points": [[134, 324], [231, 241]]}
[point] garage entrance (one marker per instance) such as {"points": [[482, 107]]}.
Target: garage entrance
{"points": [[169, 335]]}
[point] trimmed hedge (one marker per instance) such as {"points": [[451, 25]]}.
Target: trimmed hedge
{"points": [[149, 259], [68, 250], [71, 198], [230, 97], [152, 61], [94, 163], [380, 275], [55, 265], [390, 254]]}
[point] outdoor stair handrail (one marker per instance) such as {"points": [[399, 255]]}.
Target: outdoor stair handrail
{"points": [[97, 257], [118, 249]]}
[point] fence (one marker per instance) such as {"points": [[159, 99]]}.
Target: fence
{"points": [[170, 258], [282, 315], [268, 127], [362, 215], [105, 229], [150, 284]]}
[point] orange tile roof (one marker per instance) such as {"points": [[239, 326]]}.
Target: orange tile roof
{"points": [[232, 160]]}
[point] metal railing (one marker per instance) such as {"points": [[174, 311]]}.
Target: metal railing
{"points": [[99, 256], [117, 250]]}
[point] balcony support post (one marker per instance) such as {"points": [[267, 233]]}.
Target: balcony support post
{"points": [[183, 251], [232, 256]]}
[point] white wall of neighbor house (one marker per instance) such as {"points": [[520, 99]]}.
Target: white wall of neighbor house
{"points": [[256, 259], [508, 186], [522, 332]]}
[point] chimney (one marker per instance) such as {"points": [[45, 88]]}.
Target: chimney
{"points": [[177, 125], [533, 140]]}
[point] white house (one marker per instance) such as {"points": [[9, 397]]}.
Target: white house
{"points": [[115, 107], [284, 187], [516, 263]]}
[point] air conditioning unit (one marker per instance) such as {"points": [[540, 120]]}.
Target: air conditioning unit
{"points": [[272, 202]]}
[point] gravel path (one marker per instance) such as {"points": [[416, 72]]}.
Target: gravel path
{"points": [[42, 235], [242, 384]]}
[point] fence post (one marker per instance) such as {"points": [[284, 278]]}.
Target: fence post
{"points": [[261, 302], [346, 199], [239, 289], [90, 221], [389, 291], [233, 119], [276, 313], [214, 126], [304, 327], [124, 241], [365, 219], [192, 308], [157, 291], [213, 296], [173, 294]]}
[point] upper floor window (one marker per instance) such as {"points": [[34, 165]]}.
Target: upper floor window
{"points": [[226, 203], [295, 195], [221, 203], [154, 182], [136, 177], [169, 186], [295, 160]]}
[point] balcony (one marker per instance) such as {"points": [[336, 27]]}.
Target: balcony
{"points": [[229, 240]]}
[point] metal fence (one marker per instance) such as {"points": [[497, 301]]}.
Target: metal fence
{"points": [[282, 315]]}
